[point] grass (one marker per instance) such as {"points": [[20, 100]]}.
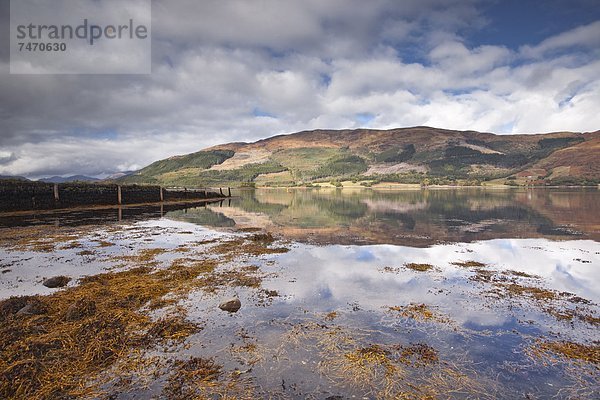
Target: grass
{"points": [[254, 246], [568, 314], [104, 243], [522, 274], [284, 178], [514, 289], [234, 177], [72, 335], [61, 345], [372, 356], [516, 285], [349, 360], [469, 264], [330, 316], [233, 278], [190, 378], [418, 353], [568, 350], [201, 160], [43, 239], [302, 160], [172, 328], [419, 267], [419, 312]]}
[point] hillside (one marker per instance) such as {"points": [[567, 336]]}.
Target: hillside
{"points": [[74, 178], [407, 155], [13, 178]]}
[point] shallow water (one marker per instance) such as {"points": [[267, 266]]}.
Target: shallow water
{"points": [[361, 283], [342, 313]]}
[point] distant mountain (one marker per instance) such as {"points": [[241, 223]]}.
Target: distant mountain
{"points": [[118, 175], [408, 155], [74, 178], [13, 178]]}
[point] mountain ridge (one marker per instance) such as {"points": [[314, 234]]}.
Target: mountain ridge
{"points": [[68, 179], [407, 155]]}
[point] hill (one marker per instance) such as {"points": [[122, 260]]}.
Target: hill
{"points": [[13, 178], [74, 178], [408, 155]]}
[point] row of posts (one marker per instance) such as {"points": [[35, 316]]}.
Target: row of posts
{"points": [[222, 194], [120, 196]]}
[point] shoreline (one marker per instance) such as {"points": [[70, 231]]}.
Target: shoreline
{"points": [[110, 207], [410, 186]]}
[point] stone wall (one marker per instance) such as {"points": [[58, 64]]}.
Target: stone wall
{"points": [[26, 195], [19, 195], [81, 194]]}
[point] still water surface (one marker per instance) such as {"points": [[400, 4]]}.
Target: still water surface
{"points": [[355, 316], [415, 218]]}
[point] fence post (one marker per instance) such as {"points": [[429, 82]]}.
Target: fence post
{"points": [[161, 194], [56, 198], [221, 191], [119, 194], [229, 189]]}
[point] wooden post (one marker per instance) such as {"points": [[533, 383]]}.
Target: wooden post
{"points": [[119, 198], [161, 196], [221, 191], [56, 198], [229, 189]]}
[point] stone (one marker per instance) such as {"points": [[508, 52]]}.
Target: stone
{"points": [[56, 282], [13, 305], [231, 305]]}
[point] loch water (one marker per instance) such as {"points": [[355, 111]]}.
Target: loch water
{"points": [[449, 293]]}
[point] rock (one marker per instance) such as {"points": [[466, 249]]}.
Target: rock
{"points": [[56, 282], [231, 305], [34, 306], [80, 309], [24, 305], [262, 237], [13, 305]]}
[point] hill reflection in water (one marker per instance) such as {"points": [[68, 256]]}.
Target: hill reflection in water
{"points": [[417, 218]]}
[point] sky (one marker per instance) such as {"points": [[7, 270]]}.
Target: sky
{"points": [[243, 70]]}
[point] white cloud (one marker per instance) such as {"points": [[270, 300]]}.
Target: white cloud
{"points": [[455, 57], [587, 36], [308, 65]]}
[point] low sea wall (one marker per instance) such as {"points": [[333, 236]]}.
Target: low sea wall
{"points": [[18, 195]]}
